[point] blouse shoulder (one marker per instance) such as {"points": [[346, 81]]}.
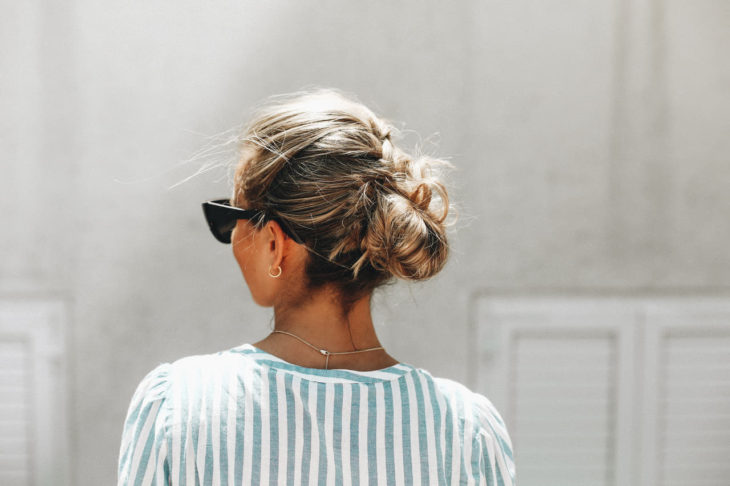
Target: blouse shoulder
{"points": [[497, 454], [474, 408], [154, 420], [145, 429], [154, 385], [489, 431]]}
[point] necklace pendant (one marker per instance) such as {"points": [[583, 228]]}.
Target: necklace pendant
{"points": [[324, 352]]}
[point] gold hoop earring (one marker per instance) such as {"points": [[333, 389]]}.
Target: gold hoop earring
{"points": [[277, 275]]}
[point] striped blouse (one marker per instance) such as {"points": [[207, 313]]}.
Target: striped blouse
{"points": [[244, 416]]}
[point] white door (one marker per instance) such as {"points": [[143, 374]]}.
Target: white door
{"points": [[610, 391]]}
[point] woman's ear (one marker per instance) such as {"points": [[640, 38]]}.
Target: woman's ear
{"points": [[276, 243], [282, 251]]}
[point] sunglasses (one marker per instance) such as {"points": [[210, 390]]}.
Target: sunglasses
{"points": [[222, 218]]}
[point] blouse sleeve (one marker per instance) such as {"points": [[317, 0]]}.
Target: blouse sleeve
{"points": [[143, 455], [496, 461]]}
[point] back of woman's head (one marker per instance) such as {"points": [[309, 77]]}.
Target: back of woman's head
{"points": [[327, 167]]}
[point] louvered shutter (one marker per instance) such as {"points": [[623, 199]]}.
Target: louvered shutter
{"points": [[687, 390], [614, 391], [33, 434], [15, 412], [561, 371]]}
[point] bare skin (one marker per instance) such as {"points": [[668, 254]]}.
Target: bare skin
{"points": [[317, 317]]}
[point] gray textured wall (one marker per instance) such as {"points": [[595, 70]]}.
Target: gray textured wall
{"points": [[590, 140]]}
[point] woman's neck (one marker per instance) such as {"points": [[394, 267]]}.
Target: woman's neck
{"points": [[321, 321]]}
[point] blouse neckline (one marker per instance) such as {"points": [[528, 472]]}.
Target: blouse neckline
{"points": [[338, 375]]}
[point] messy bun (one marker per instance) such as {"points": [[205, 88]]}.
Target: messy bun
{"points": [[327, 167]]}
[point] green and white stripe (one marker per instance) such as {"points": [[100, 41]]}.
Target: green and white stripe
{"points": [[244, 416]]}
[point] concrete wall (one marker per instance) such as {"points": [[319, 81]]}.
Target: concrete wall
{"points": [[590, 140]]}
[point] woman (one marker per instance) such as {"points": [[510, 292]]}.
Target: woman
{"points": [[325, 209]]}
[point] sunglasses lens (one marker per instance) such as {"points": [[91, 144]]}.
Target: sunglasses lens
{"points": [[220, 221], [224, 230], [222, 218]]}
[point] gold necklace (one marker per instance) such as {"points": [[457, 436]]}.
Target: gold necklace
{"points": [[324, 351]]}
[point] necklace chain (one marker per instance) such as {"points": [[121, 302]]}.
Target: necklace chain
{"points": [[324, 352]]}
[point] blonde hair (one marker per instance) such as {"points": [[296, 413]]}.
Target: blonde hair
{"points": [[326, 166]]}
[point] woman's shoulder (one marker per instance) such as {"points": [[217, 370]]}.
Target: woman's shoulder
{"points": [[204, 367], [153, 387], [488, 426], [203, 362], [471, 405], [460, 393], [189, 381], [192, 371]]}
